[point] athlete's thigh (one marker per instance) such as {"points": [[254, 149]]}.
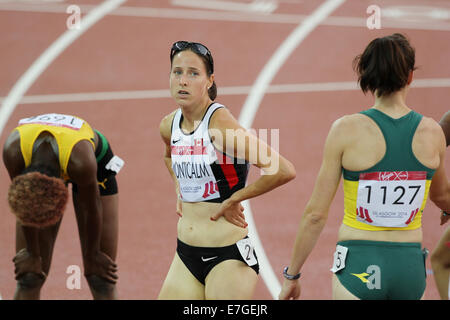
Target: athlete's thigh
{"points": [[441, 252], [81, 217], [180, 284], [110, 225], [231, 279], [339, 292]]}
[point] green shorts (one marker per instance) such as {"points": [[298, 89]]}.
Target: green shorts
{"points": [[379, 270]]}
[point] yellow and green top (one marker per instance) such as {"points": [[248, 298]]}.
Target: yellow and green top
{"points": [[392, 194], [68, 130]]}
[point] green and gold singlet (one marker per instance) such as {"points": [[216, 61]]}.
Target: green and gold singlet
{"points": [[392, 194]]}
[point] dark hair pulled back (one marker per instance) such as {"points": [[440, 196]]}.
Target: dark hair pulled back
{"points": [[385, 65]]}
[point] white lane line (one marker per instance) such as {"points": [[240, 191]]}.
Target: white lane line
{"points": [[251, 106], [278, 59], [49, 55], [211, 15], [95, 96], [223, 91], [431, 83], [261, 6]]}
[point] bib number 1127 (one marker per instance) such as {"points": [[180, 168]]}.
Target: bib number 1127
{"points": [[390, 199], [399, 191]]}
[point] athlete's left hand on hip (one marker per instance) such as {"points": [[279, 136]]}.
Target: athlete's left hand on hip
{"points": [[233, 212]]}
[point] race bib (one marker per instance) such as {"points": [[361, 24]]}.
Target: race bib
{"points": [[390, 199], [339, 258], [247, 251], [54, 119], [115, 164]]}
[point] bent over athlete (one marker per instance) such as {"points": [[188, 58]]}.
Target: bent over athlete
{"points": [[42, 155]]}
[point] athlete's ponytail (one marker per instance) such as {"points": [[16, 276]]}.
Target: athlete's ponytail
{"points": [[212, 91]]}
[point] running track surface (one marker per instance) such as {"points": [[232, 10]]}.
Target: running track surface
{"points": [[126, 52]]}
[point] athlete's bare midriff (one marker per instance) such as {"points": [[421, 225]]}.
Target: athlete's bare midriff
{"points": [[195, 227], [349, 233]]}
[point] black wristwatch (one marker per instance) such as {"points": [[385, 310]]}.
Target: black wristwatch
{"points": [[290, 277]]}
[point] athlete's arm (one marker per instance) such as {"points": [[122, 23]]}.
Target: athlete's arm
{"points": [[445, 124], [165, 132], [440, 188], [12, 156], [440, 263], [316, 211], [28, 260], [82, 170], [229, 137]]}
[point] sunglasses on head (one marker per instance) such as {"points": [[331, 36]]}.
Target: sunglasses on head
{"points": [[195, 47]]}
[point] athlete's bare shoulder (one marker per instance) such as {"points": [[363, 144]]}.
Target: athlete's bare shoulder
{"points": [[222, 118], [431, 129], [430, 124], [341, 134], [165, 126], [347, 125], [445, 118], [13, 140], [82, 164], [12, 156], [429, 139], [445, 124]]}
